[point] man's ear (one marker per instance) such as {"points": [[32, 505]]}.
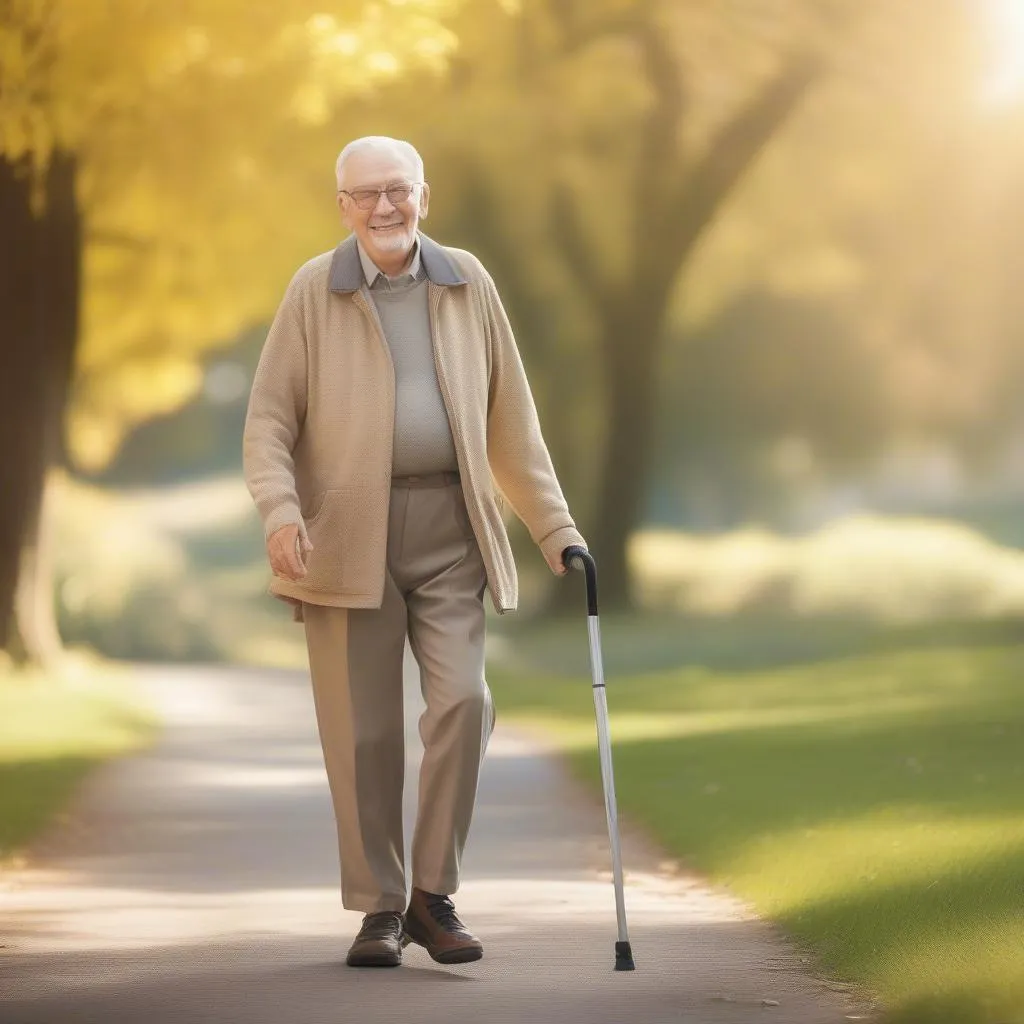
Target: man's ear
{"points": [[424, 200], [343, 210]]}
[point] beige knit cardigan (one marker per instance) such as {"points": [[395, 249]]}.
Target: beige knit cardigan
{"points": [[318, 435]]}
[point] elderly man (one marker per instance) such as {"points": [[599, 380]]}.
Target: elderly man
{"points": [[389, 409]]}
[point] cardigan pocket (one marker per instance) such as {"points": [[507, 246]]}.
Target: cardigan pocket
{"points": [[317, 506], [327, 529]]}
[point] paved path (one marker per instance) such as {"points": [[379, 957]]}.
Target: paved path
{"points": [[197, 884]]}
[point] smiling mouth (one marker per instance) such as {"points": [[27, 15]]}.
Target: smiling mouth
{"points": [[385, 227]]}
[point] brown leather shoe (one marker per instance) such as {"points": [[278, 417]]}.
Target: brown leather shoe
{"points": [[431, 922], [379, 942]]}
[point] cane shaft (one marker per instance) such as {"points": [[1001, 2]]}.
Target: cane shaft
{"points": [[607, 773]]}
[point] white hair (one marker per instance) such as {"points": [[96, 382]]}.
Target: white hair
{"points": [[399, 146]]}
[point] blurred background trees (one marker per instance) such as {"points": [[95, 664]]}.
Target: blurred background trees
{"points": [[748, 248], [760, 255], [617, 136], [144, 150]]}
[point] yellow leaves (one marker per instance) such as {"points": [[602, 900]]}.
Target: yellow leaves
{"points": [[329, 39], [15, 60], [23, 56], [383, 63], [310, 104], [18, 139], [356, 54], [195, 124], [86, 63], [129, 392]]}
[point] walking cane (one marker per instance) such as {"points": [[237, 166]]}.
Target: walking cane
{"points": [[576, 557]]}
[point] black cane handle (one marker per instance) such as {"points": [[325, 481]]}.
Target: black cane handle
{"points": [[576, 557]]}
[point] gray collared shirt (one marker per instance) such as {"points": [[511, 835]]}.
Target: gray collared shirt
{"points": [[376, 278]]}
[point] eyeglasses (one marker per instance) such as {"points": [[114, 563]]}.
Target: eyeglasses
{"points": [[367, 198]]}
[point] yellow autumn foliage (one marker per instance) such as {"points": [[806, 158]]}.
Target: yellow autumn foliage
{"points": [[205, 133]]}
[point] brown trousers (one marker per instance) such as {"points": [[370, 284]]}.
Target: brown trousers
{"points": [[433, 594]]}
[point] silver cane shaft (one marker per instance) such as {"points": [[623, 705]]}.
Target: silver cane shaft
{"points": [[607, 774], [577, 557]]}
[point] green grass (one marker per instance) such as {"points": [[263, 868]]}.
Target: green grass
{"points": [[871, 803], [53, 731]]}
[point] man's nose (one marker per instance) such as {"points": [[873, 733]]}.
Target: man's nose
{"points": [[387, 206]]}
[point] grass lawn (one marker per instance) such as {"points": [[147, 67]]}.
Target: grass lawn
{"points": [[52, 732], [864, 788]]}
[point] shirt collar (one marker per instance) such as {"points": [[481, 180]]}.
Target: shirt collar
{"points": [[372, 272], [437, 265]]}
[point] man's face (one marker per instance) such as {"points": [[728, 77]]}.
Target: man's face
{"points": [[386, 227]]}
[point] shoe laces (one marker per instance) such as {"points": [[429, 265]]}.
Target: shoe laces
{"points": [[442, 910]]}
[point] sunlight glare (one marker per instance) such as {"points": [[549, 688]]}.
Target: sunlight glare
{"points": [[1004, 81]]}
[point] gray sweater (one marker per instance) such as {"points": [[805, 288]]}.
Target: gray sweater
{"points": [[423, 437]]}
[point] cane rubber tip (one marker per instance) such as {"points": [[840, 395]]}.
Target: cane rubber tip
{"points": [[624, 957]]}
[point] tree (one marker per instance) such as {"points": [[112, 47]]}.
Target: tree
{"points": [[620, 140], [772, 392], [138, 192], [590, 148]]}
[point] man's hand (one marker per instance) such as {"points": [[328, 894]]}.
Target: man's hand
{"points": [[555, 563], [287, 551]]}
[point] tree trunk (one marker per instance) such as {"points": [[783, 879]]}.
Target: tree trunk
{"points": [[20, 384], [685, 205], [36, 636], [630, 357], [40, 274]]}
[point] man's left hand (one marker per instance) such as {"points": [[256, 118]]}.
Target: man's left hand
{"points": [[555, 564]]}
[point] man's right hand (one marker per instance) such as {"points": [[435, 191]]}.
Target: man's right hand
{"points": [[287, 551]]}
